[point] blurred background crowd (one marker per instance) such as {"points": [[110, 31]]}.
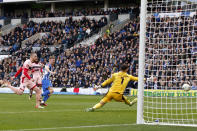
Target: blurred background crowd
{"points": [[171, 48]]}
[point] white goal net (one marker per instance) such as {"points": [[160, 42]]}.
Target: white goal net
{"points": [[170, 51]]}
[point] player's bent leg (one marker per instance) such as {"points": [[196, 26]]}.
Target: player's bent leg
{"points": [[97, 106], [106, 98], [51, 90], [133, 102], [40, 86], [31, 91], [30, 94], [38, 97], [39, 82], [47, 93], [126, 101], [15, 90]]}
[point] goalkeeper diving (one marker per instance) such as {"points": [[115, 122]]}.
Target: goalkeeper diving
{"points": [[119, 82]]}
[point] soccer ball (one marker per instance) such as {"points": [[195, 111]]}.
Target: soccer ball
{"points": [[186, 87]]}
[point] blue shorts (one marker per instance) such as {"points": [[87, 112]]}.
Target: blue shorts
{"points": [[46, 83]]}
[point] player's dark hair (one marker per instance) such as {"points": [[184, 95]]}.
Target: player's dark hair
{"points": [[124, 67]]}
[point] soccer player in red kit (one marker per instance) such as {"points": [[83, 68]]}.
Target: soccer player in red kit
{"points": [[26, 80], [37, 75]]}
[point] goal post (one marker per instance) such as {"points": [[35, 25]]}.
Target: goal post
{"points": [[167, 51], [141, 61]]}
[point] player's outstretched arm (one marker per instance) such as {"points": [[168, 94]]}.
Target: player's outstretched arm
{"points": [[133, 78], [17, 73], [108, 81], [47, 69], [26, 73]]}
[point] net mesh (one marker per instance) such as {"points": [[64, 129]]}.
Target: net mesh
{"points": [[171, 56]]}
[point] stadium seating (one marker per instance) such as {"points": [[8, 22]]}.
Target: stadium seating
{"points": [[67, 32], [42, 13], [84, 66], [88, 65]]}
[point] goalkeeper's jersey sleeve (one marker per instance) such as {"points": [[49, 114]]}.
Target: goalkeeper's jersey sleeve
{"points": [[119, 82]]}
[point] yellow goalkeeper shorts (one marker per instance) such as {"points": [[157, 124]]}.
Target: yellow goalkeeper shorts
{"points": [[113, 95]]}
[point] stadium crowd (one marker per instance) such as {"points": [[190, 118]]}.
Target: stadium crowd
{"points": [[88, 65], [169, 7], [171, 63], [67, 32], [81, 12], [172, 54], [42, 13]]}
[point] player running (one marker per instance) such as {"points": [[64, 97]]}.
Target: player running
{"points": [[26, 80], [46, 83], [120, 81], [37, 75]]}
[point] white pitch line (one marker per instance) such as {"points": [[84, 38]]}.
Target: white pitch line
{"points": [[71, 127]]}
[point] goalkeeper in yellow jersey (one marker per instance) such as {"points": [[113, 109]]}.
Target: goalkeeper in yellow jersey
{"points": [[119, 83]]}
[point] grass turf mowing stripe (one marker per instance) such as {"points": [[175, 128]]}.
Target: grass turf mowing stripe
{"points": [[42, 110], [70, 127]]}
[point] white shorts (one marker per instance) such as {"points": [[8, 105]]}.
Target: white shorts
{"points": [[37, 79], [26, 83]]}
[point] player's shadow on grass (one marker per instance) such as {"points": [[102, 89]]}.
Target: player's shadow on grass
{"points": [[118, 110]]}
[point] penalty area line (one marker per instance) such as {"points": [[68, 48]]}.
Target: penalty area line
{"points": [[72, 127]]}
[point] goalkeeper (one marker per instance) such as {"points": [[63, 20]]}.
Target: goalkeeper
{"points": [[120, 81]]}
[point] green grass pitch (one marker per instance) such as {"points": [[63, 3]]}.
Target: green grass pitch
{"points": [[67, 113]]}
